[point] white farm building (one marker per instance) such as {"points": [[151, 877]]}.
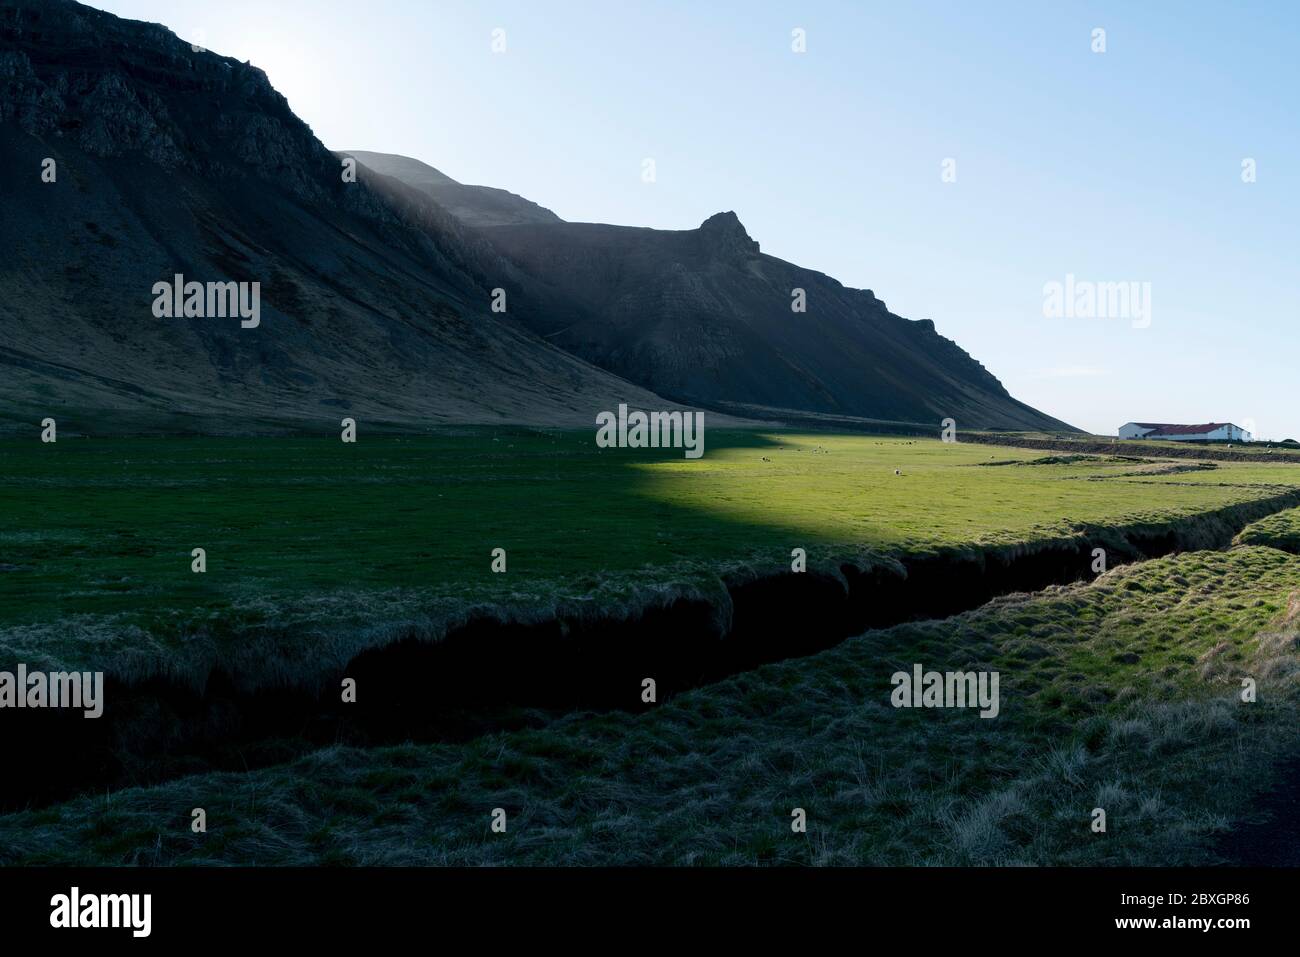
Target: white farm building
{"points": [[1209, 432]]}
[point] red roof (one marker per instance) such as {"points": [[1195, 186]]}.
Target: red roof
{"points": [[1163, 428]]}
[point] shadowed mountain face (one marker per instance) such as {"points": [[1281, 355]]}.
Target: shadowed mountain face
{"points": [[703, 316], [472, 205], [374, 301], [147, 159]]}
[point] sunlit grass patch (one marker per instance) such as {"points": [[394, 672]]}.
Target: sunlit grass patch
{"points": [[1277, 531]]}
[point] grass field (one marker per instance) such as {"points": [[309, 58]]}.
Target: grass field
{"points": [[320, 539], [1278, 531], [1122, 694], [1110, 445]]}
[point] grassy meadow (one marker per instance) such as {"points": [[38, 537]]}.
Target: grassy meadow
{"points": [[312, 543], [1157, 448], [1122, 692]]}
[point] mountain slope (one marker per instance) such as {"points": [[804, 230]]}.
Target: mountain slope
{"points": [[472, 205], [374, 300], [703, 316]]}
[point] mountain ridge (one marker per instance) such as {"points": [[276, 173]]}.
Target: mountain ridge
{"points": [[171, 160], [378, 299], [703, 316], [472, 205]]}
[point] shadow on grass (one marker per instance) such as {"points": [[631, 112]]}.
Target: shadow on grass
{"points": [[277, 516]]}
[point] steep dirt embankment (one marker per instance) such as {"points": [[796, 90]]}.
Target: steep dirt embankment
{"points": [[489, 675]]}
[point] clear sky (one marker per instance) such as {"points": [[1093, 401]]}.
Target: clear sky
{"points": [[1119, 166]]}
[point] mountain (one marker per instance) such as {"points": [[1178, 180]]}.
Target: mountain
{"points": [[472, 205], [374, 300], [703, 316], [375, 292]]}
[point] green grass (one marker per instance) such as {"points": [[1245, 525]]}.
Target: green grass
{"points": [[1278, 531], [1110, 445], [1122, 694], [316, 548]]}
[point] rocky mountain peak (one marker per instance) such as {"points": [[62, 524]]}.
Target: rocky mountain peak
{"points": [[723, 233], [114, 87]]}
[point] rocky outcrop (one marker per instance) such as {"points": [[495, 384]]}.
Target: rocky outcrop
{"points": [[723, 236], [118, 87]]}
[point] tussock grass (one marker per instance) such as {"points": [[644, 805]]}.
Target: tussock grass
{"points": [[318, 551], [1281, 530], [1122, 693]]}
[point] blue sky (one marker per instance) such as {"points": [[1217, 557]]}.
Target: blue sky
{"points": [[1122, 166]]}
